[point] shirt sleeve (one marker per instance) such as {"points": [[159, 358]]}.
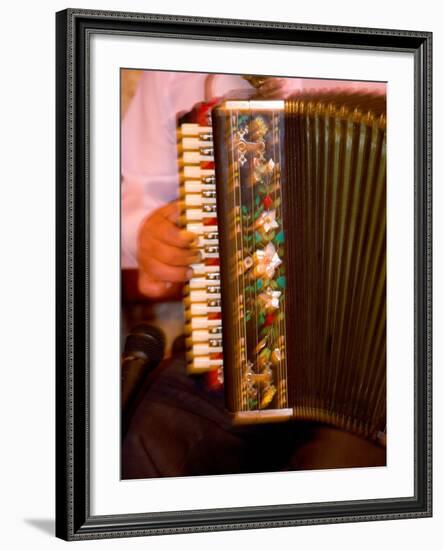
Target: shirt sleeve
{"points": [[149, 158]]}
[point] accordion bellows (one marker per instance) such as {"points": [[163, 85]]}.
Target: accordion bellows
{"points": [[301, 221]]}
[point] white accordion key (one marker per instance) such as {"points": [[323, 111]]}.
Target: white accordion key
{"points": [[201, 229], [198, 214], [202, 242], [204, 349], [194, 214], [210, 251], [202, 269], [204, 322], [203, 282], [195, 157], [200, 336], [198, 200], [195, 186], [189, 129], [202, 296], [204, 309], [205, 336], [207, 175], [205, 363], [197, 282], [194, 143]]}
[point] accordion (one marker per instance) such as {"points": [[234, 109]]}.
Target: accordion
{"points": [[287, 308]]}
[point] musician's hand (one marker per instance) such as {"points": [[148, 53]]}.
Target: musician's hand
{"points": [[164, 253], [279, 88]]}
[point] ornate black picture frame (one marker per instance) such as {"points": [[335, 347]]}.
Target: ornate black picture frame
{"points": [[73, 517]]}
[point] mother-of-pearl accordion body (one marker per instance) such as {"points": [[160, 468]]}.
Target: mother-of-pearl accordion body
{"points": [[288, 304]]}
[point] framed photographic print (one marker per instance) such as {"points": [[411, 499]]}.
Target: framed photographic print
{"points": [[243, 274]]}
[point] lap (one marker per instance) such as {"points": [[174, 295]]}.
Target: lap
{"points": [[179, 428]]}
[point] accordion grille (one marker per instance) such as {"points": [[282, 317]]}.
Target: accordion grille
{"points": [[336, 307]]}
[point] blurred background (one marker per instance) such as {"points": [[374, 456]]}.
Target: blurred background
{"points": [[136, 308]]}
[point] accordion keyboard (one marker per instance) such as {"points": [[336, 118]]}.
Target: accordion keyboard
{"points": [[202, 293]]}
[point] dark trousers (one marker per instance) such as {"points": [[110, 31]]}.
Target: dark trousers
{"points": [[179, 428]]}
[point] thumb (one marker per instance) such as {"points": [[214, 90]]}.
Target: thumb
{"points": [[172, 211], [152, 288]]}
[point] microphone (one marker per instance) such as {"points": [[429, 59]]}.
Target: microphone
{"points": [[144, 349]]}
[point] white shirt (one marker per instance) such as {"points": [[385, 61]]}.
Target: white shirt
{"points": [[149, 144]]}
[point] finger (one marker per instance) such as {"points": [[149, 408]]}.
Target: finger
{"points": [[170, 255], [152, 288], [275, 89], [162, 229], [166, 273], [171, 211], [169, 233], [275, 94], [163, 224], [271, 84]]}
